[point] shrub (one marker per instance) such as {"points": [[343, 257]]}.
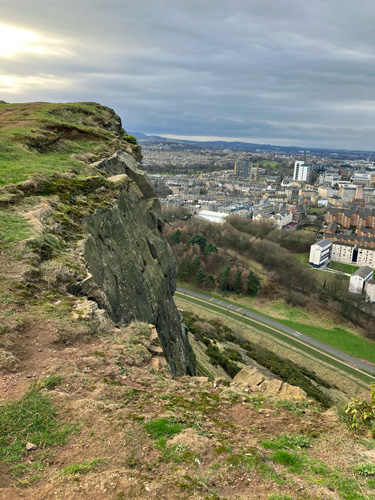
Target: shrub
{"points": [[130, 138], [361, 413]]}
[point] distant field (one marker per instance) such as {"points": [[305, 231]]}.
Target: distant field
{"points": [[345, 268]]}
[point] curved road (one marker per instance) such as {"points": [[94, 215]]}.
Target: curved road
{"points": [[298, 336]]}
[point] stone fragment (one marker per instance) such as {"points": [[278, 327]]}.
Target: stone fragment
{"points": [[31, 446]]}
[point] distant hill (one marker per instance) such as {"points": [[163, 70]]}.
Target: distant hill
{"points": [[146, 140]]}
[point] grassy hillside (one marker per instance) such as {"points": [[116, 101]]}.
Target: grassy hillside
{"points": [[89, 409], [43, 138]]}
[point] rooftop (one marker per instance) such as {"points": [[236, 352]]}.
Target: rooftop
{"points": [[363, 272]]}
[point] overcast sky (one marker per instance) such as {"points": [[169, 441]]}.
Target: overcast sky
{"points": [[286, 72]]}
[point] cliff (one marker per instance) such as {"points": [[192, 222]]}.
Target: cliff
{"points": [[133, 271], [79, 188]]}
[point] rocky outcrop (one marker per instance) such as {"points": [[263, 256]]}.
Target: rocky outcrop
{"points": [[132, 268], [257, 378]]}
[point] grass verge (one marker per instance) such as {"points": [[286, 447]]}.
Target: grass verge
{"points": [[287, 340]]}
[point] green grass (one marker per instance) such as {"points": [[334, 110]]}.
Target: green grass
{"points": [[290, 460], [52, 381], [33, 419], [345, 268], [316, 210], [13, 229], [163, 427], [302, 257], [82, 468], [337, 337], [290, 441], [364, 469], [41, 137]]}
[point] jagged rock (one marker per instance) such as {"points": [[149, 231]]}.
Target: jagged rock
{"points": [[88, 310], [292, 392], [157, 363], [155, 349], [248, 377], [132, 269]]}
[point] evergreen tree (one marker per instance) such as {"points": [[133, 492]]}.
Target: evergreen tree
{"points": [[209, 249], [183, 269], [210, 281], [224, 278], [199, 277], [199, 240], [252, 284], [196, 265], [176, 236], [237, 285]]}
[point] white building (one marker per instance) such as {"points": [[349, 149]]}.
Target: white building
{"points": [[301, 171], [342, 252], [331, 178], [359, 278], [320, 253], [362, 178], [281, 218], [212, 216], [351, 254], [366, 257], [370, 290]]}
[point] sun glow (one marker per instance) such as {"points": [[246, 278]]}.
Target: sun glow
{"points": [[14, 40]]}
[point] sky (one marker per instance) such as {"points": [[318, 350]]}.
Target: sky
{"points": [[284, 72]]}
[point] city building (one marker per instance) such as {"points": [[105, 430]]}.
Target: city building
{"points": [[242, 169], [352, 254], [351, 217], [359, 278], [212, 216], [320, 253], [370, 290], [342, 252], [301, 171]]}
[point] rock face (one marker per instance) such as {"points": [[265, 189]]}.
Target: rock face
{"points": [[133, 270], [253, 378]]}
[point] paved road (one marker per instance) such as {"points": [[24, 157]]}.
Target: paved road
{"points": [[350, 360]]}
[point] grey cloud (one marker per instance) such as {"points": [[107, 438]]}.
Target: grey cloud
{"points": [[285, 70]]}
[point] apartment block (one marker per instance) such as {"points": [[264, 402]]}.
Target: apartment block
{"points": [[320, 253], [359, 278]]}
